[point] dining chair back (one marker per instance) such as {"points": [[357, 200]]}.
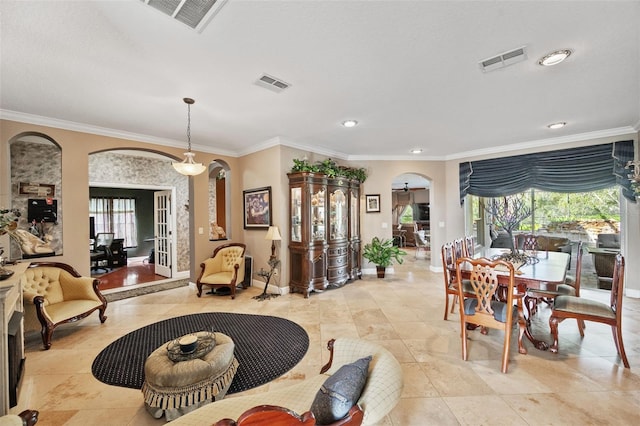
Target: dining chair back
{"points": [[527, 242], [571, 287], [469, 246], [484, 309], [458, 249], [450, 279], [584, 309]]}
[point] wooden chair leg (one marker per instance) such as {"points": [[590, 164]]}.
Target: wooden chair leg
{"points": [[617, 338], [446, 306], [553, 325]]}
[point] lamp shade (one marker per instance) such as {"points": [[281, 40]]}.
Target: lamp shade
{"points": [[273, 234], [189, 167]]}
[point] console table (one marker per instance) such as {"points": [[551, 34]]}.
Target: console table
{"points": [[10, 304]]}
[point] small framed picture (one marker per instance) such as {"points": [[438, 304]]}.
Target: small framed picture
{"points": [[257, 208], [373, 203]]}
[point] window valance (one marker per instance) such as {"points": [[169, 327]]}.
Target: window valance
{"points": [[572, 170]]}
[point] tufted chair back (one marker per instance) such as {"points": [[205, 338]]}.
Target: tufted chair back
{"points": [[45, 282]]}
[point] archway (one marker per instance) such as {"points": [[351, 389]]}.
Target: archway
{"points": [[410, 194]]}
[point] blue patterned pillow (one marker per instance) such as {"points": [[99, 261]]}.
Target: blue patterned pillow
{"points": [[340, 392]]}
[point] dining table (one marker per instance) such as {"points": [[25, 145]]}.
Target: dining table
{"points": [[545, 270]]}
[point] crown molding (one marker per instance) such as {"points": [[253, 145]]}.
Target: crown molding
{"points": [[103, 131]]}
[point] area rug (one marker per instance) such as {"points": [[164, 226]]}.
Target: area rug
{"points": [[266, 347]]}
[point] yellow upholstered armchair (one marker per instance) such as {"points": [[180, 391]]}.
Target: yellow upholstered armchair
{"points": [[55, 293], [225, 268]]}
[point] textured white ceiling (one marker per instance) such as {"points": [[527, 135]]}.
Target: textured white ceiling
{"points": [[406, 70]]}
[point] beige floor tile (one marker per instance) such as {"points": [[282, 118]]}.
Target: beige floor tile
{"points": [[583, 384], [483, 410]]}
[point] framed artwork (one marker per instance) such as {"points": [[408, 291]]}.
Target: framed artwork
{"points": [[373, 203], [257, 208]]}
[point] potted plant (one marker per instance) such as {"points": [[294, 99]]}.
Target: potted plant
{"points": [[382, 253]]}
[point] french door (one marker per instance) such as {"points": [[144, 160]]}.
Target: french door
{"points": [[163, 232]]}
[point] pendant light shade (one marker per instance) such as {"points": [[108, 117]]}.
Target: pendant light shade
{"points": [[188, 166]]}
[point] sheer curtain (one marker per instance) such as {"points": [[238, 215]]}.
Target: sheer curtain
{"points": [[117, 215]]}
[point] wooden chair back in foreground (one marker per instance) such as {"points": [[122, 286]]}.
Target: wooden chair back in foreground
{"points": [[225, 268], [270, 415], [55, 293], [25, 418], [273, 415], [483, 309], [590, 310]]}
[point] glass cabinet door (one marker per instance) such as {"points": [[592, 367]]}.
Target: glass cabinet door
{"points": [[318, 201], [296, 214], [338, 215], [355, 216]]}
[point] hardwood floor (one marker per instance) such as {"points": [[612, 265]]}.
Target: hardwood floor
{"points": [[136, 272]]}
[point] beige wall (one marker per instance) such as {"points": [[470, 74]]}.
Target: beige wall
{"points": [[269, 168], [76, 147]]}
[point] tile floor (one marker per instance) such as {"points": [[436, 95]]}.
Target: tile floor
{"points": [[584, 384]]}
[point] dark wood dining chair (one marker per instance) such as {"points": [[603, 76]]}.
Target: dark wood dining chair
{"points": [[469, 246], [584, 309], [450, 279], [571, 287], [484, 309], [526, 242]]}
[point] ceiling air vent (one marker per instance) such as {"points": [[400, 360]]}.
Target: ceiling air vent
{"points": [[195, 14], [272, 83], [504, 59]]}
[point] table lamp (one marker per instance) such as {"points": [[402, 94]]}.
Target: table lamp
{"points": [[273, 234]]}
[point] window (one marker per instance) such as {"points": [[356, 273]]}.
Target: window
{"points": [[117, 215], [581, 215], [406, 215]]}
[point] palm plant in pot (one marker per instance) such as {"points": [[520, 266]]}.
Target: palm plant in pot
{"points": [[382, 253]]}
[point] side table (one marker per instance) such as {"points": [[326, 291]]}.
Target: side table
{"points": [[266, 276], [176, 388]]}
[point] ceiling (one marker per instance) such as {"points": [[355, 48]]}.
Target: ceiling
{"points": [[407, 71]]}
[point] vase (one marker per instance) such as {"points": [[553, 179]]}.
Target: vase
{"points": [[380, 271]]}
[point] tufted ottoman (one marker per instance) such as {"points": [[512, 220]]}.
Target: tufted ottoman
{"points": [[176, 388]]}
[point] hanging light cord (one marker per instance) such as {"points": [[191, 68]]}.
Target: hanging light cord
{"points": [[189, 126]]}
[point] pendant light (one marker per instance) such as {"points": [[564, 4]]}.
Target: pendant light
{"points": [[188, 167]]}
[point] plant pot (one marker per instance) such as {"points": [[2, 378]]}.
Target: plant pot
{"points": [[380, 271]]}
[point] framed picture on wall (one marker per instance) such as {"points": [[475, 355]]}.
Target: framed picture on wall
{"points": [[257, 208], [373, 203]]}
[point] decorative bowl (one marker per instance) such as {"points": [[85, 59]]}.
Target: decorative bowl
{"points": [[188, 343]]}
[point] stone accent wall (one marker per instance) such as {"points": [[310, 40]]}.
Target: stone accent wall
{"points": [[37, 163], [114, 168]]}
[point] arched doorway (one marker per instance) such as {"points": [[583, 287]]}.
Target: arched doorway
{"points": [[410, 194]]}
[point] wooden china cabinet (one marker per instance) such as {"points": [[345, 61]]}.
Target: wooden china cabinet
{"points": [[324, 246]]}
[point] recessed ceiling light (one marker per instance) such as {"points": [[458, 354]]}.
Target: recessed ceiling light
{"points": [[554, 58], [557, 125], [416, 150], [350, 123]]}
